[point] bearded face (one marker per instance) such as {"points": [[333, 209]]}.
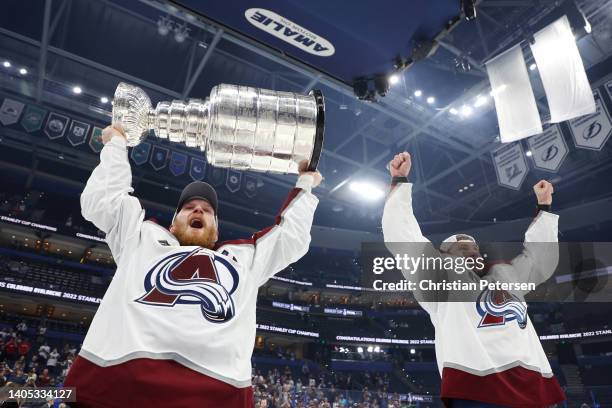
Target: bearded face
{"points": [[195, 224]]}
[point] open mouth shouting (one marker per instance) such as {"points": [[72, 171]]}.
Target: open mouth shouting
{"points": [[196, 223]]}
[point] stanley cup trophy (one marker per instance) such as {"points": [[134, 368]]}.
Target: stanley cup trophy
{"points": [[238, 127]]}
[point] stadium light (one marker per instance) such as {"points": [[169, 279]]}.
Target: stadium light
{"points": [[23, 71], [393, 79], [532, 67], [480, 101], [366, 190], [418, 93], [6, 64], [164, 25], [528, 153], [412, 351], [430, 99], [104, 99], [77, 90], [466, 111], [181, 33], [453, 111]]}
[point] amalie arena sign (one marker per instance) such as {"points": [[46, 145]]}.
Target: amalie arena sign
{"points": [[290, 32]]}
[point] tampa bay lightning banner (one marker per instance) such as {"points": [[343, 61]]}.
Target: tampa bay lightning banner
{"points": [[140, 153], [159, 158], [178, 163], [95, 141], [56, 125], [78, 132], [10, 111], [32, 118], [233, 180], [250, 185], [217, 177], [197, 169]]}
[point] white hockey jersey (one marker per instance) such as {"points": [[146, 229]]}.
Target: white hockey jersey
{"points": [[494, 363], [192, 305]]}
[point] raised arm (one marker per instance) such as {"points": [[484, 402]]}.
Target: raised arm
{"points": [[106, 199], [540, 255], [272, 249], [401, 230], [399, 223]]}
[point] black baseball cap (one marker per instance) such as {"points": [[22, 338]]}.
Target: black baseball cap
{"points": [[201, 190]]}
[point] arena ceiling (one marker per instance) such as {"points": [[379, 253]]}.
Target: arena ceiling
{"points": [[98, 43]]}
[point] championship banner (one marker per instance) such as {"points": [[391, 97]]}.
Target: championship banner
{"points": [[32, 118], [250, 185], [178, 163], [95, 141], [159, 157], [140, 153], [608, 87], [233, 180], [77, 135], [56, 125], [548, 149], [217, 177], [592, 131], [510, 165], [10, 111], [197, 169]]}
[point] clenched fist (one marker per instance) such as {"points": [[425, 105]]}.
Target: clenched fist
{"points": [[544, 191], [111, 131], [400, 165], [316, 176]]}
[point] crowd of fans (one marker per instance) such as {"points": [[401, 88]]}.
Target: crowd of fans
{"points": [[28, 359], [286, 389], [31, 361]]}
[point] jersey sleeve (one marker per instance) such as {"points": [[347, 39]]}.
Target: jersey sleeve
{"points": [[399, 223], [106, 199], [272, 249], [401, 231], [540, 256]]}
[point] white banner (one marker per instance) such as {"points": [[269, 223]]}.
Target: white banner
{"points": [[515, 104], [592, 131], [549, 149], [510, 165], [565, 82]]}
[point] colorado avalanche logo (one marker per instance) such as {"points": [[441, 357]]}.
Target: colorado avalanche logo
{"points": [[198, 277], [498, 307]]}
